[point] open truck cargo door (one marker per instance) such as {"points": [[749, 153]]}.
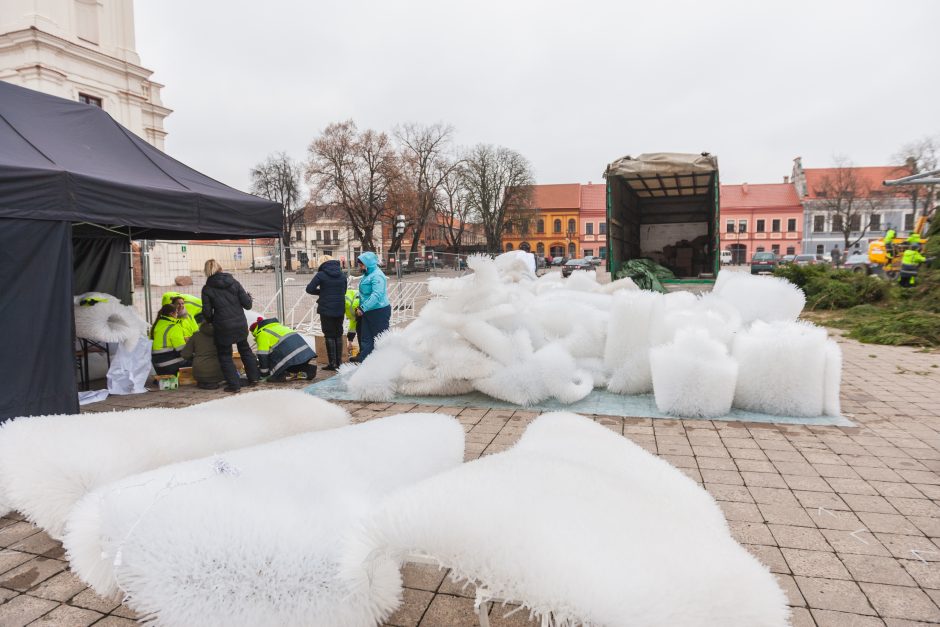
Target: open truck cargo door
{"points": [[664, 206]]}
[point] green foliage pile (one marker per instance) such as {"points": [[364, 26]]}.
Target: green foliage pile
{"points": [[826, 288]]}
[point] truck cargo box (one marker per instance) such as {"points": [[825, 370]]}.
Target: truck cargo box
{"points": [[664, 207]]}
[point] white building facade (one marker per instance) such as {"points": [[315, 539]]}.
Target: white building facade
{"points": [[82, 50]]}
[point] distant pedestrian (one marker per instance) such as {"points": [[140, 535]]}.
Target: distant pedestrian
{"points": [[329, 286], [836, 257], [224, 301], [374, 308]]}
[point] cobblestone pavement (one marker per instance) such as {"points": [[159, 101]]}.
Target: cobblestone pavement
{"points": [[847, 517]]}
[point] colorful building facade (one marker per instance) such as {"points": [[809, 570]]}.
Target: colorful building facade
{"points": [[756, 218], [552, 229]]}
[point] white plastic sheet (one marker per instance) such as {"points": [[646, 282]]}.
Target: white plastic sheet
{"points": [[130, 368]]}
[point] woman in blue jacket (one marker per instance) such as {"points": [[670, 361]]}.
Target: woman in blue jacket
{"points": [[329, 285], [373, 304]]}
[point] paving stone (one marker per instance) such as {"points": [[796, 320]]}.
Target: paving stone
{"points": [[38, 544], [10, 559], [90, 601], [23, 610], [744, 512], [876, 569], [888, 523], [785, 515], [751, 533], [815, 564], [773, 496], [926, 574], [834, 519], [901, 546], [724, 492], [868, 503], [61, 588], [915, 506], [858, 542], [828, 618], [116, 621], [11, 534], [511, 616], [829, 500], [450, 611], [414, 604], [799, 537], [794, 597], [770, 557], [811, 484], [800, 617], [67, 616], [31, 573], [901, 602], [834, 594], [422, 576]]}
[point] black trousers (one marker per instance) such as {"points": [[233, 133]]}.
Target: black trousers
{"points": [[332, 326], [228, 365]]}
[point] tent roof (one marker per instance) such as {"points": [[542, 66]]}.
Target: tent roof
{"points": [[64, 160]]}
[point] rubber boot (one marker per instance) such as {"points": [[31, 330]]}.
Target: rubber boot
{"points": [[338, 351], [330, 353]]}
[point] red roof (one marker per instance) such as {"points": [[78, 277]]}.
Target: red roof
{"points": [[870, 177], [761, 196], [594, 198], [562, 196]]}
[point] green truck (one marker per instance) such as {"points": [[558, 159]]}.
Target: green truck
{"points": [[664, 207]]}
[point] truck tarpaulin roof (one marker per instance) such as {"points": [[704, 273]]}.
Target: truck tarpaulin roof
{"points": [[666, 174]]}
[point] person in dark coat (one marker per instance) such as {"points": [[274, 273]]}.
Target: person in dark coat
{"points": [[329, 285], [223, 303], [201, 350]]}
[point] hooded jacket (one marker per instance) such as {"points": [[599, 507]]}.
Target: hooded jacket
{"points": [[279, 347], [223, 303], [372, 287], [329, 285], [201, 350]]}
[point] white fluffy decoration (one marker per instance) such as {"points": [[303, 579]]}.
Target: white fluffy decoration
{"points": [[582, 527], [255, 537], [765, 298], [782, 369], [108, 321], [526, 339], [47, 463], [693, 376], [831, 404]]}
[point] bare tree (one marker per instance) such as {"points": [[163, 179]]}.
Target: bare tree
{"points": [[454, 206], [355, 171], [849, 201], [278, 179], [499, 189], [424, 165], [919, 156]]}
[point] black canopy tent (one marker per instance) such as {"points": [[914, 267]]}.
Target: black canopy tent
{"points": [[73, 179]]}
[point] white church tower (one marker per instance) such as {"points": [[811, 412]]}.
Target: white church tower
{"points": [[82, 50]]}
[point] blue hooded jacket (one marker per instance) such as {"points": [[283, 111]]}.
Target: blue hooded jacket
{"points": [[372, 287]]}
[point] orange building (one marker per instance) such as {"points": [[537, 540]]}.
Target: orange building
{"points": [[552, 229]]}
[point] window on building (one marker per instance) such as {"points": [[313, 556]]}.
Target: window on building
{"points": [[819, 224], [557, 226], [836, 223], [602, 228], [572, 251], [588, 252], [791, 250], [875, 222], [508, 247], [540, 247], [760, 249], [820, 249], [327, 251], [589, 228], [760, 226], [509, 227], [729, 227], [908, 221], [336, 236], [572, 226], [525, 225], [92, 100], [540, 226], [603, 252], [298, 235], [775, 248], [855, 222], [742, 226], [791, 226], [86, 20], [319, 236], [775, 225]]}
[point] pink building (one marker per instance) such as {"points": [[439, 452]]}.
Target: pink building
{"points": [[593, 220], [763, 217]]}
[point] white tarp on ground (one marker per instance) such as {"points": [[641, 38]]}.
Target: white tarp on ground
{"points": [[522, 339], [47, 463]]}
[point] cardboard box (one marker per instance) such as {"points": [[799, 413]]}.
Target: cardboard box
{"points": [[322, 359]]}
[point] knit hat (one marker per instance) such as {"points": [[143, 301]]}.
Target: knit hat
{"points": [[254, 325]]}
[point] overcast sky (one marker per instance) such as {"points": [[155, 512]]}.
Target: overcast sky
{"points": [[571, 85]]}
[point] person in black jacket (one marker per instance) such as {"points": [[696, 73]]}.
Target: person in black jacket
{"points": [[223, 303], [329, 285]]}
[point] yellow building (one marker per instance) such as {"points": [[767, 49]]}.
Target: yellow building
{"points": [[552, 229]]}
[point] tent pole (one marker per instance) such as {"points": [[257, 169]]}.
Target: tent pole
{"points": [[279, 277], [145, 270]]}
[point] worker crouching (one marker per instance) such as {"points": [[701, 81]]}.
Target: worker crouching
{"points": [[168, 342], [282, 351]]}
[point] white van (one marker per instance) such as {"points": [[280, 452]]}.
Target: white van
{"points": [[725, 257]]}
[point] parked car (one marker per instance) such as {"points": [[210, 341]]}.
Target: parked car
{"points": [[859, 263], [576, 264], [726, 257], [559, 261], [594, 261], [787, 259], [809, 260], [763, 262]]}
